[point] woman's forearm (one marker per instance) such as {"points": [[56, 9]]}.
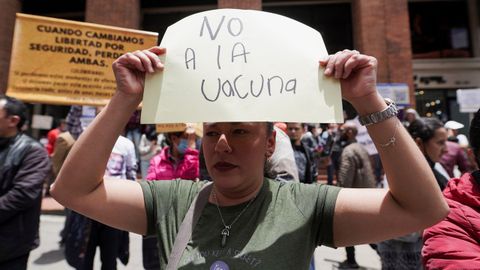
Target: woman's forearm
{"points": [[84, 167], [410, 179]]}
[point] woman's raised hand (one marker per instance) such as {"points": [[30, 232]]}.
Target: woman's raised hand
{"points": [[130, 69], [357, 73]]}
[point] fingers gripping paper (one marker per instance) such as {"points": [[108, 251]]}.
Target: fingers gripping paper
{"points": [[241, 65]]}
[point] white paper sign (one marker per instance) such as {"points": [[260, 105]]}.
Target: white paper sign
{"points": [[469, 100], [241, 65], [42, 121]]}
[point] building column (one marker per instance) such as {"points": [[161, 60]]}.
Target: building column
{"points": [[381, 29], [7, 25], [240, 4], [121, 13]]}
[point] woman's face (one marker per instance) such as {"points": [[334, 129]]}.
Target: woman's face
{"points": [[235, 153], [436, 146]]}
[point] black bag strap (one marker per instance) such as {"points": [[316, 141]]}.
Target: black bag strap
{"points": [[188, 223]]}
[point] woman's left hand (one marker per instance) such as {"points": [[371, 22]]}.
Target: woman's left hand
{"points": [[192, 141], [357, 74]]}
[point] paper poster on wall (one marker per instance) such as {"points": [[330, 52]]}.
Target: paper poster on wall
{"points": [[42, 121], [397, 92], [469, 100], [88, 114], [241, 65], [58, 61]]}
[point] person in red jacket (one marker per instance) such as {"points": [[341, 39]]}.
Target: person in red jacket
{"points": [[52, 136], [454, 242]]}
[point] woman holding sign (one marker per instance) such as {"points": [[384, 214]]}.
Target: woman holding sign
{"points": [[243, 220]]}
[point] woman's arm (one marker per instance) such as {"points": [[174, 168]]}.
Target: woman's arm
{"points": [[413, 201], [80, 184]]}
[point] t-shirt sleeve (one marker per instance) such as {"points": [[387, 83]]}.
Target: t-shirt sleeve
{"points": [[317, 203], [167, 199], [325, 211], [147, 188]]}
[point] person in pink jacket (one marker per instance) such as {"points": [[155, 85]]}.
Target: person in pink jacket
{"points": [[177, 160], [454, 242]]}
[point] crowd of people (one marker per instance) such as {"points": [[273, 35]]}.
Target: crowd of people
{"points": [[270, 185]]}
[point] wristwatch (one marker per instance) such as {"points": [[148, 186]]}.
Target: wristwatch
{"points": [[377, 117]]}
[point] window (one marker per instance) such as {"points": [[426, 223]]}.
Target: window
{"points": [[332, 20], [73, 10], [440, 29]]}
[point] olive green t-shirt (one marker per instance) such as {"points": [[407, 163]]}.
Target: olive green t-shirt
{"points": [[279, 230]]}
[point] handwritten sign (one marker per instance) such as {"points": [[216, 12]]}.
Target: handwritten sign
{"points": [[65, 62], [241, 65]]}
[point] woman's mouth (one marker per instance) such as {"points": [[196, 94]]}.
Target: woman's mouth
{"points": [[224, 166]]}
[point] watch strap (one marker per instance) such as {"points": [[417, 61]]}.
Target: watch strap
{"points": [[377, 117]]}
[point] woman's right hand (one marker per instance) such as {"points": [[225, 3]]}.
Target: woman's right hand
{"points": [[130, 69]]}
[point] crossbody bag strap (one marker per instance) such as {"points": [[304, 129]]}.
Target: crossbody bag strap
{"points": [[188, 223]]}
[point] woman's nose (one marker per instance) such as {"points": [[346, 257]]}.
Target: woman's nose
{"points": [[222, 145]]}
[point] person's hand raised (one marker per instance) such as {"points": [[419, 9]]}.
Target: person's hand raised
{"points": [[192, 141], [130, 69], [357, 73]]}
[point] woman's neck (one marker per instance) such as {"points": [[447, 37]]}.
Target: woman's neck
{"points": [[235, 197]]}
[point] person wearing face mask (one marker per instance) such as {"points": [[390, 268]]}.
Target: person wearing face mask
{"points": [[179, 159]]}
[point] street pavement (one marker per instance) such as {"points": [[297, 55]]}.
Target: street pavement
{"points": [[50, 256]]}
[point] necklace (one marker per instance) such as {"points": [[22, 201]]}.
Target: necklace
{"points": [[225, 232]]}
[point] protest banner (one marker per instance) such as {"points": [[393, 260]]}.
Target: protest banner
{"points": [[58, 61], [241, 65]]}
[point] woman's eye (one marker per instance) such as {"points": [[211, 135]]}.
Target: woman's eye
{"points": [[211, 133], [240, 131]]}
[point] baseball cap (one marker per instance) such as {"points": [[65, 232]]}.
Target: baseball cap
{"points": [[453, 125]]}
